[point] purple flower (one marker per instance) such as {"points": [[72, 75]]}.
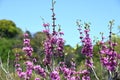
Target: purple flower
{"points": [[48, 52], [89, 63], [104, 60], [86, 78], [17, 65], [29, 64], [37, 78], [54, 75], [108, 57], [60, 46], [73, 78], [19, 70], [46, 24], [85, 72], [86, 31], [28, 50], [66, 72], [22, 75], [26, 42], [27, 47], [36, 67], [29, 73], [34, 60], [85, 75], [40, 70], [46, 31], [118, 56], [61, 33], [87, 49], [53, 39], [25, 35]]}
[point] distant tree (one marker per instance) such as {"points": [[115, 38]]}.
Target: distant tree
{"points": [[69, 53], [10, 37], [6, 46], [37, 42], [79, 57], [8, 29], [38, 45]]}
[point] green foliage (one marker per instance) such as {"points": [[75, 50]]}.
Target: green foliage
{"points": [[10, 38], [6, 46], [116, 38], [78, 56], [11, 42], [37, 42], [96, 51], [69, 54], [8, 29]]}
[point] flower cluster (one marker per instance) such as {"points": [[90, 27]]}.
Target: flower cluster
{"points": [[87, 48], [27, 47], [69, 73], [54, 75], [30, 67], [26, 75], [47, 45], [108, 55], [39, 70], [60, 45], [53, 45], [48, 52], [85, 74]]}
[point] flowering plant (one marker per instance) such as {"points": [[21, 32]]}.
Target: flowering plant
{"points": [[54, 51]]}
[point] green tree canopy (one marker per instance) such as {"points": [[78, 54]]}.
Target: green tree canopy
{"points": [[37, 42], [8, 29]]}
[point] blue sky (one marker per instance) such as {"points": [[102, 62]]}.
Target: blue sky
{"points": [[26, 14]]}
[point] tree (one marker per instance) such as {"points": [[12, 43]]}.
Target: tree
{"points": [[37, 42], [6, 46], [8, 29], [69, 53], [10, 38]]}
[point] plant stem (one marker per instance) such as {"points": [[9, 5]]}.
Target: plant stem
{"points": [[95, 73]]}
